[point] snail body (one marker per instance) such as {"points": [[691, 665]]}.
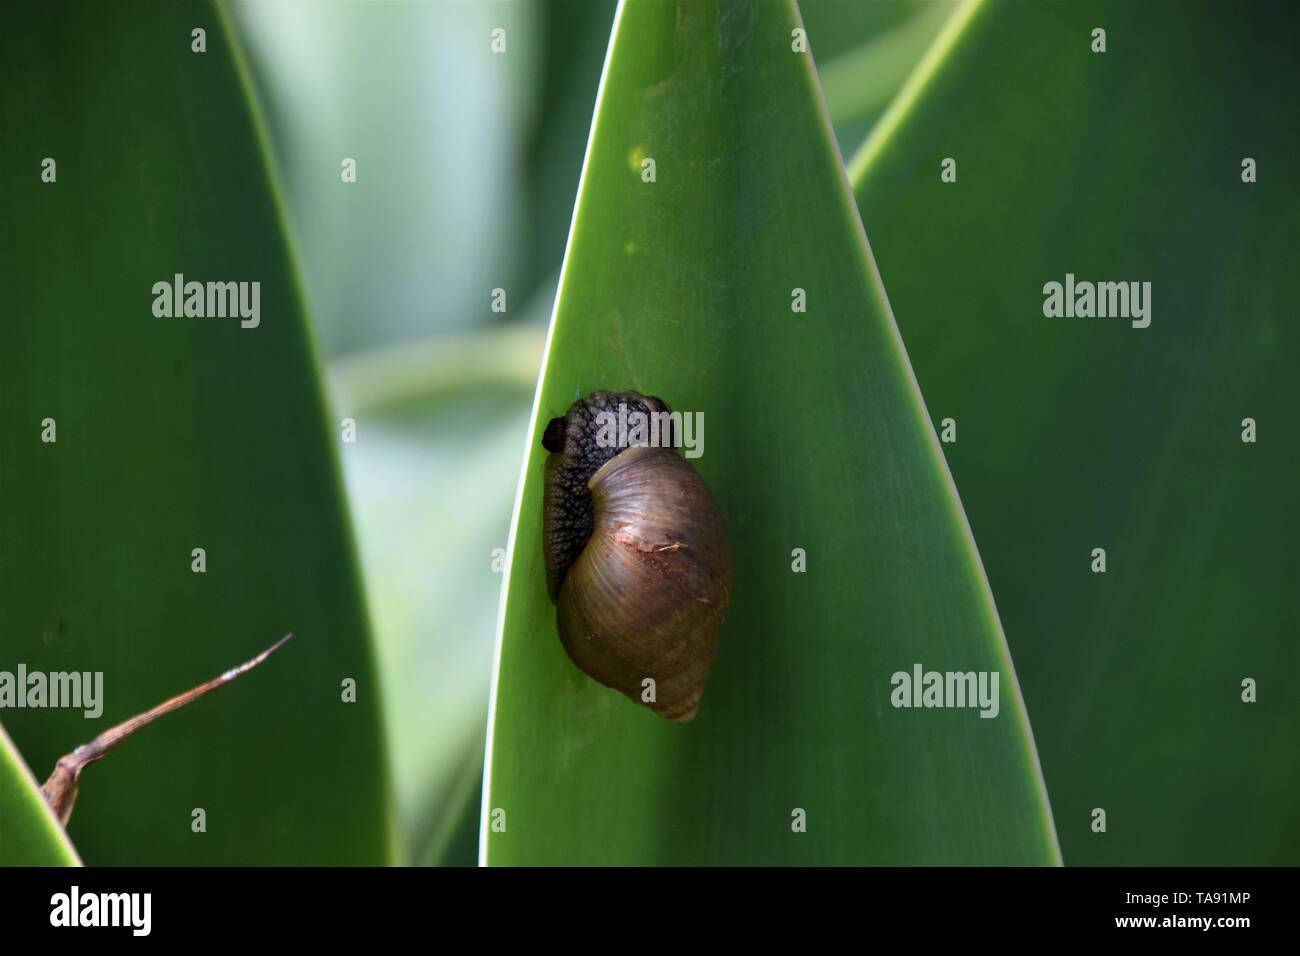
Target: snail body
{"points": [[637, 559]]}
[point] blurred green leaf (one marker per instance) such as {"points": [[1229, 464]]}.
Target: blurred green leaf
{"points": [[1083, 433], [442, 370], [859, 82], [455, 841], [432, 475], [30, 834], [817, 438], [436, 122], [172, 434], [575, 36], [488, 147]]}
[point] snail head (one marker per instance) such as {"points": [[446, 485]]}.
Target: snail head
{"points": [[580, 442]]}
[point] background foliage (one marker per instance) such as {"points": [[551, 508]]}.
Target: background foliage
{"points": [[1120, 165], [1083, 433], [441, 386], [172, 434]]}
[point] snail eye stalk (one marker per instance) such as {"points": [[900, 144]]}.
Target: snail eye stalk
{"points": [[553, 439]]}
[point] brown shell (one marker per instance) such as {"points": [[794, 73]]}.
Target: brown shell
{"points": [[647, 595]]}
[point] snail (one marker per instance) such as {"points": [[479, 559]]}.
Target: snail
{"points": [[637, 561]]}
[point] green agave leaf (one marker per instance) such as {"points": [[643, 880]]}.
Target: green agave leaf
{"points": [[816, 438], [30, 834], [1077, 433], [172, 434]]}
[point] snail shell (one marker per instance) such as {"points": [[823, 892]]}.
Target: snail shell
{"points": [[637, 559]]}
